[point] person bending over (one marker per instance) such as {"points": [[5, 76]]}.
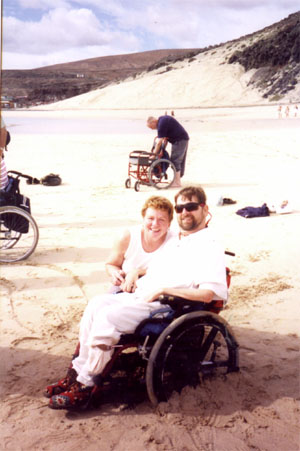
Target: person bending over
{"points": [[191, 265], [131, 253], [169, 128]]}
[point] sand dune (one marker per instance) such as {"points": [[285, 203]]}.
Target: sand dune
{"points": [[206, 80]]}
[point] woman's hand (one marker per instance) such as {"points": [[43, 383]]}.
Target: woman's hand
{"points": [[129, 284], [117, 276]]}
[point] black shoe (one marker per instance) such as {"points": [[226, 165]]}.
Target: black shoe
{"points": [[227, 201]]}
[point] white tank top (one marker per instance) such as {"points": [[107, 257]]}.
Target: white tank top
{"points": [[3, 175], [135, 256]]}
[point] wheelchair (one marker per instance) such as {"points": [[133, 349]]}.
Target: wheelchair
{"points": [[158, 172], [19, 233], [177, 346]]}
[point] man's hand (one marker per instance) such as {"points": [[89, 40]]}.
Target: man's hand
{"points": [[157, 148], [153, 296]]}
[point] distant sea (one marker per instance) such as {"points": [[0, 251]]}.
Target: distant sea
{"points": [[38, 125], [219, 122]]}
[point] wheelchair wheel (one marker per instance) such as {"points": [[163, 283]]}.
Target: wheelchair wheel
{"points": [[137, 186], [161, 173], [127, 183], [194, 345], [19, 234]]}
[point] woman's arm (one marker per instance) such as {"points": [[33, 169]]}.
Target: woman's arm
{"points": [[114, 264], [116, 258]]}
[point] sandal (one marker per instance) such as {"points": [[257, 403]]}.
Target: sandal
{"points": [[62, 385], [78, 395]]}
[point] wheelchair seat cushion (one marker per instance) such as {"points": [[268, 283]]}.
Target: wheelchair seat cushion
{"points": [[142, 161], [153, 327]]}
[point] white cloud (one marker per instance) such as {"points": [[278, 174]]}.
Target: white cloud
{"points": [[55, 31], [60, 28], [58, 34]]}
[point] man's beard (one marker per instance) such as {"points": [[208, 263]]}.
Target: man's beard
{"points": [[188, 226]]}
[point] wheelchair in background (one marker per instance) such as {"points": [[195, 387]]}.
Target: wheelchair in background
{"points": [[158, 172], [19, 233], [175, 347]]}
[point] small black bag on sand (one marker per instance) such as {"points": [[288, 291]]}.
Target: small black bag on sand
{"points": [[51, 180]]}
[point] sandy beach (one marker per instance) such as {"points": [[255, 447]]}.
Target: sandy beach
{"points": [[243, 153]]}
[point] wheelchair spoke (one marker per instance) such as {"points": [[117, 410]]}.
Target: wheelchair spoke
{"points": [[195, 349], [18, 234], [161, 173], [207, 343]]}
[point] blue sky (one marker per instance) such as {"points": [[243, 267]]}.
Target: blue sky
{"points": [[39, 33]]}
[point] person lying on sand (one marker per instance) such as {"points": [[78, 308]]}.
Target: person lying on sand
{"points": [[191, 265]]}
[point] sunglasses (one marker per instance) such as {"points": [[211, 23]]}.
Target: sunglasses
{"points": [[189, 206]]}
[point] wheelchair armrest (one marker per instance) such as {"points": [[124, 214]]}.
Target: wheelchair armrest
{"points": [[167, 299], [179, 305], [176, 302]]}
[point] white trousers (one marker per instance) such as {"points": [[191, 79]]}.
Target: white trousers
{"points": [[104, 320]]}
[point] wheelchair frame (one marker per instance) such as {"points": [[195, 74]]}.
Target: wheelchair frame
{"points": [[19, 233], [178, 346], [158, 172]]}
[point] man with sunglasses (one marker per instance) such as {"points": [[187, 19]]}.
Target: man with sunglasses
{"points": [[191, 266]]}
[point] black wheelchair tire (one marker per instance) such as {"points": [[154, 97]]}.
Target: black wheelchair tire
{"points": [[161, 180], [172, 365], [15, 245]]}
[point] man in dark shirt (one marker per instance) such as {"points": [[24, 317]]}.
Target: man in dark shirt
{"points": [[168, 128]]}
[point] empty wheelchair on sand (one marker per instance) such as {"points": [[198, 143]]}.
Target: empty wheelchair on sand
{"points": [[177, 346], [158, 172], [19, 232]]}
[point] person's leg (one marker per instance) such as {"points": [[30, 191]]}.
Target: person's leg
{"points": [[100, 329], [109, 323], [91, 360], [76, 387], [127, 316], [182, 169], [178, 155]]}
